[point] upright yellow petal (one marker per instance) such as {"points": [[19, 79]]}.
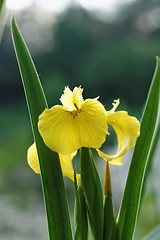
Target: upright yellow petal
{"points": [[65, 131], [72, 100], [92, 124], [127, 129], [65, 161]]}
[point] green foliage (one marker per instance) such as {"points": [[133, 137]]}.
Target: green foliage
{"points": [[132, 195], [109, 220], [51, 174], [81, 221], [152, 150], [93, 193], [2, 16], [83, 54], [1, 4]]}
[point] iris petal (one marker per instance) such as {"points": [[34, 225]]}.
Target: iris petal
{"points": [[66, 163], [72, 100], [32, 158], [127, 129], [65, 131], [67, 168]]}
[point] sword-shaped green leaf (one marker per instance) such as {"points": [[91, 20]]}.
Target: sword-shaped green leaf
{"points": [[51, 174], [109, 219], [156, 137], [109, 216], [93, 193], [132, 194], [81, 221], [2, 16]]}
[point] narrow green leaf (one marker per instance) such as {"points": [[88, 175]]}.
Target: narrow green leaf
{"points": [[153, 235], [51, 175], [109, 219], [151, 156], [1, 4], [132, 194], [152, 151], [81, 232], [2, 16], [93, 193]]}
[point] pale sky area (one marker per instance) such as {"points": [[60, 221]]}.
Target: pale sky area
{"points": [[60, 5]]}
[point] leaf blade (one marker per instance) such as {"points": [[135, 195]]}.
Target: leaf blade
{"points": [[109, 216], [51, 174], [93, 193], [3, 14], [109, 220], [132, 195], [81, 220]]}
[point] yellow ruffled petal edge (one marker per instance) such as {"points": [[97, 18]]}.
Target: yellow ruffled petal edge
{"points": [[127, 129], [65, 131], [72, 100], [66, 163]]}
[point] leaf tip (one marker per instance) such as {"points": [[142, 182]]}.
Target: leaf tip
{"points": [[157, 59], [13, 21], [107, 189], [13, 24]]}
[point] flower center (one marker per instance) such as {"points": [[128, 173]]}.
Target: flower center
{"points": [[72, 99], [76, 106], [74, 113]]}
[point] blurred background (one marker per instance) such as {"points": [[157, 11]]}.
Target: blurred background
{"points": [[109, 48]]}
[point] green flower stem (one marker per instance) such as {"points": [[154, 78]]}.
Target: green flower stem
{"points": [[51, 174]]}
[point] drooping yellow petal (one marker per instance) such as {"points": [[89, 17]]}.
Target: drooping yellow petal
{"points": [[67, 168], [65, 161], [72, 100], [65, 131], [127, 129], [32, 158]]}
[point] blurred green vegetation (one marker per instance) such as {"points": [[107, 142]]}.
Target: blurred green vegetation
{"points": [[111, 59]]}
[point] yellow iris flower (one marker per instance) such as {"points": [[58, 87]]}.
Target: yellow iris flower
{"points": [[76, 124], [84, 123], [65, 161]]}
